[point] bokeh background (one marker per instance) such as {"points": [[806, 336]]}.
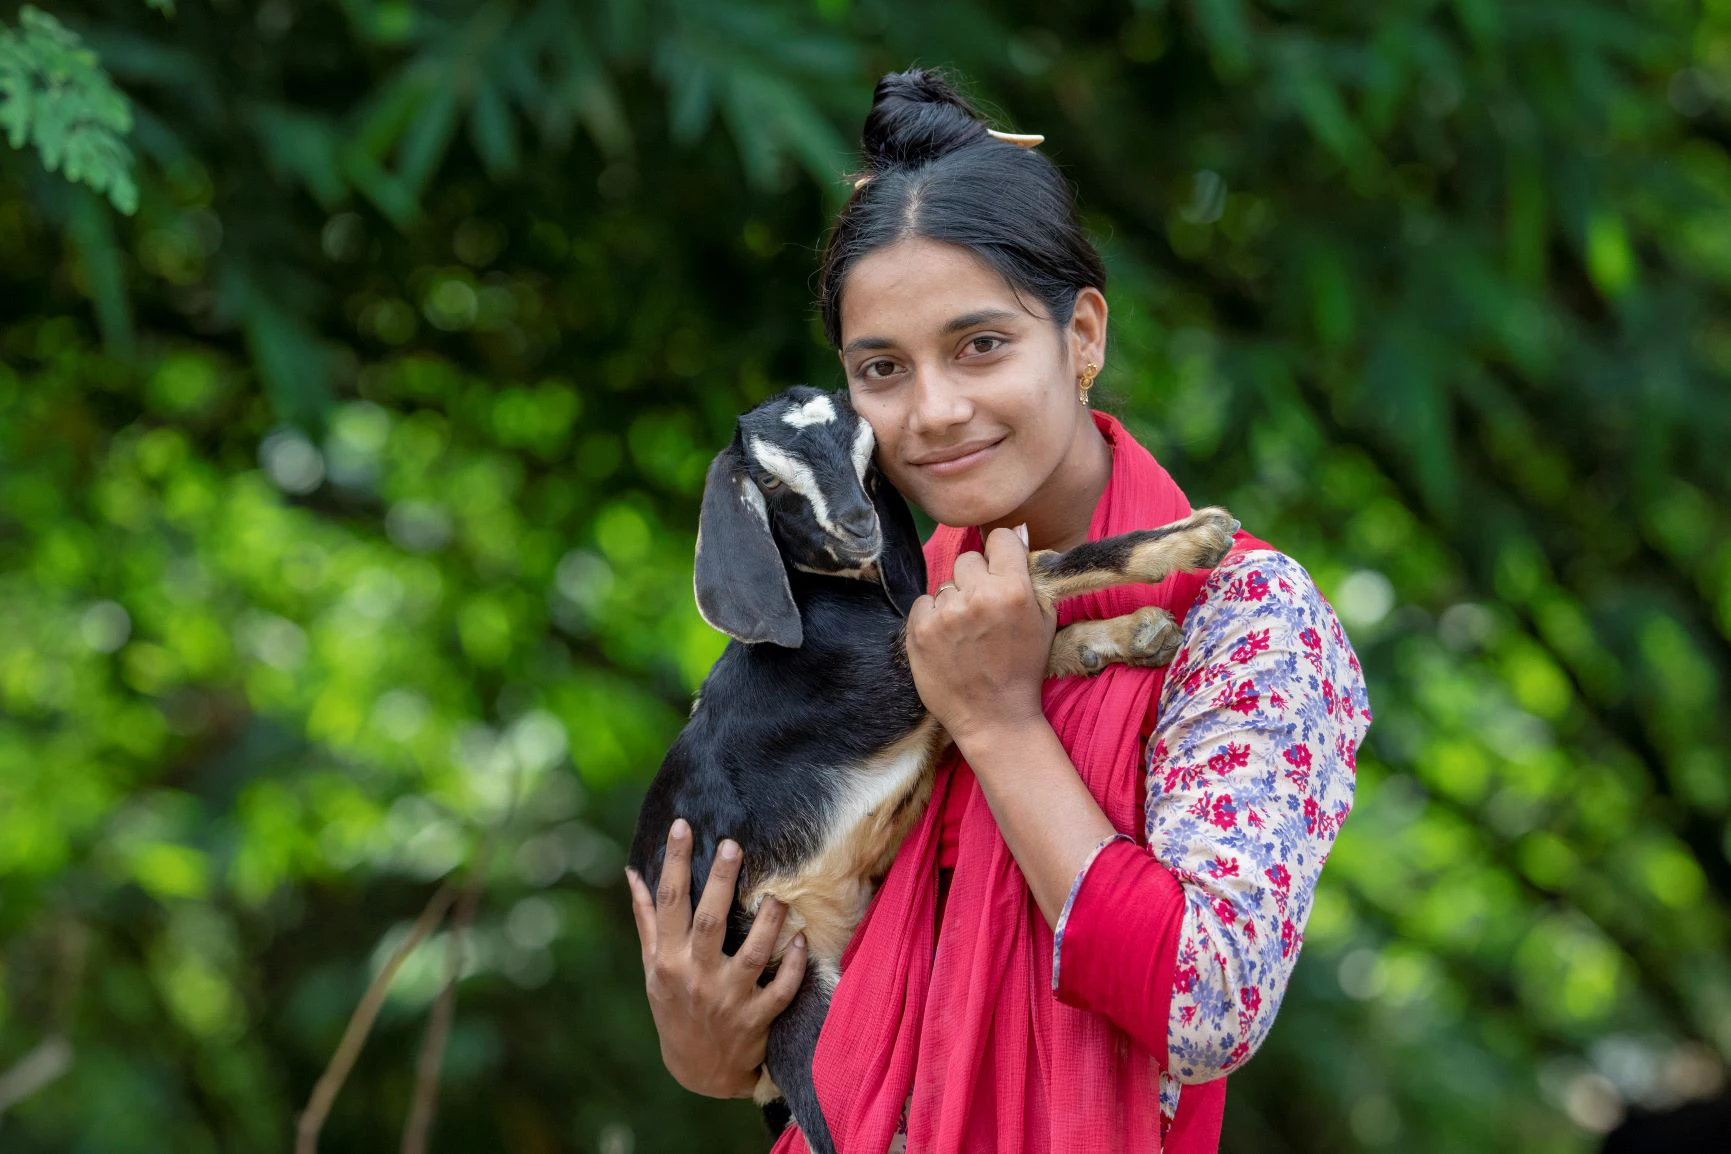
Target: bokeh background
{"points": [[361, 363]]}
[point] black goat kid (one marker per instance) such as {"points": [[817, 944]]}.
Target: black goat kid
{"points": [[808, 744]]}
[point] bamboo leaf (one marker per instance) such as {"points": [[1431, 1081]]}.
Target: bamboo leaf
{"points": [[91, 231], [429, 134], [1226, 30], [490, 129]]}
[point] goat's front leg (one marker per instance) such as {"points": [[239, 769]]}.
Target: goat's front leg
{"points": [[1148, 637], [792, 1046], [1142, 557]]}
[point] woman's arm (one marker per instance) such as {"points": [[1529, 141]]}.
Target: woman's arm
{"points": [[1251, 774], [1050, 821], [1238, 827], [978, 655], [712, 1015]]}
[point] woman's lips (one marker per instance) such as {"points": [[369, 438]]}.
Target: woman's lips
{"points": [[963, 463]]}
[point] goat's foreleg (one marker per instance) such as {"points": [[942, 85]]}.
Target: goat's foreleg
{"points": [[1142, 557], [1147, 637]]}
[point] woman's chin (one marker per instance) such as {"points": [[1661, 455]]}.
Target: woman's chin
{"points": [[964, 509]]}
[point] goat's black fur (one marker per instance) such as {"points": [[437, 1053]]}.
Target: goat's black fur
{"points": [[777, 728]]}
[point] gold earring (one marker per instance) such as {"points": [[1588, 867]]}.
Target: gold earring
{"points": [[1089, 371]]}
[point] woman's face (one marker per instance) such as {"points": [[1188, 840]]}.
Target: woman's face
{"points": [[971, 396]]}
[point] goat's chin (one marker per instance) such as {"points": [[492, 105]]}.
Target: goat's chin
{"points": [[865, 568]]}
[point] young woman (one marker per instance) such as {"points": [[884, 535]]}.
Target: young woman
{"points": [[1097, 918]]}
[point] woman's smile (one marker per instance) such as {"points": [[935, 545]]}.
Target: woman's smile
{"points": [[957, 458]]}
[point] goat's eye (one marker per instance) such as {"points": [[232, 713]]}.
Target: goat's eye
{"points": [[769, 482]]}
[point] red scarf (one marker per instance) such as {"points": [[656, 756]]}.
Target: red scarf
{"points": [[1003, 1065]]}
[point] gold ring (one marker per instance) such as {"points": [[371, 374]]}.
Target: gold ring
{"points": [[945, 585]]}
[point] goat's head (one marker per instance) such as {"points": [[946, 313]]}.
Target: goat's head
{"points": [[798, 487]]}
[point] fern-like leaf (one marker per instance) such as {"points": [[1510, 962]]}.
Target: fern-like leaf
{"points": [[54, 95]]}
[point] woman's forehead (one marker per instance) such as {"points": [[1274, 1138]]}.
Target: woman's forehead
{"points": [[918, 289]]}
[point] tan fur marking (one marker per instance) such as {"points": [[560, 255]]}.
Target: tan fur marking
{"points": [[1198, 542], [829, 894]]}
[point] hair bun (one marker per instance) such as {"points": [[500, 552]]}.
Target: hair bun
{"points": [[916, 116]]}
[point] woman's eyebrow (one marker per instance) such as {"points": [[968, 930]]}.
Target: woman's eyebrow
{"points": [[973, 319], [953, 325]]}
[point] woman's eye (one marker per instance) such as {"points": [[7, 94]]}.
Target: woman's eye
{"points": [[866, 370], [991, 342]]}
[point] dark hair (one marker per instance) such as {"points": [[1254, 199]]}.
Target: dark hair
{"points": [[933, 171]]}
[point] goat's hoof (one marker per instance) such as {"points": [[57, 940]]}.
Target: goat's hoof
{"points": [[1154, 637], [1213, 528]]}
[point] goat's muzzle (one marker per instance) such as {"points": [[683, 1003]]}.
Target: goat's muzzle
{"points": [[858, 549]]}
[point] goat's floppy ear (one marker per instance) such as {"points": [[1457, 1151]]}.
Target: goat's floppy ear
{"points": [[741, 583], [902, 562]]}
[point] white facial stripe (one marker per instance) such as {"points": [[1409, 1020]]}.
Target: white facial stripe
{"points": [[863, 444], [796, 475], [817, 411], [867, 571]]}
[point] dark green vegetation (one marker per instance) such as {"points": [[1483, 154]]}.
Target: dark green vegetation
{"points": [[347, 488]]}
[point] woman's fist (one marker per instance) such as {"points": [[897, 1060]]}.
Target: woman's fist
{"points": [[978, 647]]}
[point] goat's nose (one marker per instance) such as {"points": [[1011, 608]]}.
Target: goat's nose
{"points": [[861, 523]]}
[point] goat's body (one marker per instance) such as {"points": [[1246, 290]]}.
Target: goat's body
{"points": [[786, 747], [817, 761]]}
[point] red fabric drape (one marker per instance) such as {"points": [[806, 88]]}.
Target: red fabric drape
{"points": [[1002, 1065]]}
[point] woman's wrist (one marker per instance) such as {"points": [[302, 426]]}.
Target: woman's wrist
{"points": [[712, 1083], [999, 746], [1044, 811]]}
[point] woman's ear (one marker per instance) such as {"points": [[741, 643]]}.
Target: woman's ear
{"points": [[739, 577], [1088, 327], [901, 560]]}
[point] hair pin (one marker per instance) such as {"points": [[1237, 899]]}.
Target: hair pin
{"points": [[1019, 139]]}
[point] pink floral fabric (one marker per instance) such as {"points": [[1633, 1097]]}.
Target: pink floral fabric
{"points": [[1250, 774]]}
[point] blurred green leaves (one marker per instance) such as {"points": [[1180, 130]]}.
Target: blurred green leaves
{"points": [[347, 491]]}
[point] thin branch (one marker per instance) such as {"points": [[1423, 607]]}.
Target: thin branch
{"points": [[432, 1055], [325, 1091]]}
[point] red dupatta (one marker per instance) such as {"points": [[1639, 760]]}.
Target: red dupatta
{"points": [[1002, 1064]]}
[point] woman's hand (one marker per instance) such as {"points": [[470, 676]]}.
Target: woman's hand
{"points": [[978, 650], [712, 1015]]}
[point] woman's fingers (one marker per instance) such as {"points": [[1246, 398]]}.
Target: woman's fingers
{"points": [[970, 569], [673, 895], [1006, 552], [643, 913], [759, 944], [709, 925], [774, 998]]}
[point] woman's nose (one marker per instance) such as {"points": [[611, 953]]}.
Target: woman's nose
{"points": [[938, 404]]}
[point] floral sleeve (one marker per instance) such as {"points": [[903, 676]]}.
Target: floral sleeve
{"points": [[1250, 775]]}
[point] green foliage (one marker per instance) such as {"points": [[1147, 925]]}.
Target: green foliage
{"points": [[54, 95], [347, 492]]}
